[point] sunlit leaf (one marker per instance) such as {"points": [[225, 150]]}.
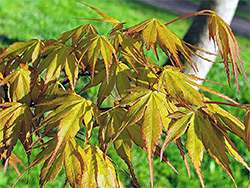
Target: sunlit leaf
{"points": [[74, 162], [100, 172], [176, 85], [55, 61], [95, 45], [195, 147], [33, 52], [147, 107], [71, 70], [153, 33], [20, 85], [176, 129], [18, 48], [228, 47], [70, 112]]}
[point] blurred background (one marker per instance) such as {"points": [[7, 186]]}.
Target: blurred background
{"points": [[21, 20]]}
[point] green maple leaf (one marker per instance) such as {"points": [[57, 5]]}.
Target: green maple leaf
{"points": [[100, 172], [58, 57], [20, 84], [30, 50], [95, 45], [74, 162], [153, 33], [151, 108], [70, 112]]}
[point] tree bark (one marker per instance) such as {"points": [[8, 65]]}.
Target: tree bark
{"points": [[197, 34]]}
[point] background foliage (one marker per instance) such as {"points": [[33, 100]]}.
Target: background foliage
{"points": [[50, 18]]}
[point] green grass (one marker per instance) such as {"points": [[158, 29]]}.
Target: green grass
{"points": [[22, 20]]}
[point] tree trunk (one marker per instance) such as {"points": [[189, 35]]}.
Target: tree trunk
{"points": [[197, 34]]}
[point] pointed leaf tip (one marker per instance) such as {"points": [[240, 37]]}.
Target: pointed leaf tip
{"points": [[222, 35], [105, 17]]}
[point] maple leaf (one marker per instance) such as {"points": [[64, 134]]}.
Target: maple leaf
{"points": [[119, 77], [204, 130], [95, 45], [15, 123], [56, 60], [176, 130], [175, 83], [99, 172], [30, 50], [154, 32], [212, 139], [179, 86], [74, 162], [20, 84], [123, 143], [222, 35], [195, 147], [50, 170], [147, 106], [70, 111], [77, 33], [71, 155]]}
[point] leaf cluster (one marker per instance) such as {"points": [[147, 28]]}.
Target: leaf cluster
{"points": [[41, 108]]}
